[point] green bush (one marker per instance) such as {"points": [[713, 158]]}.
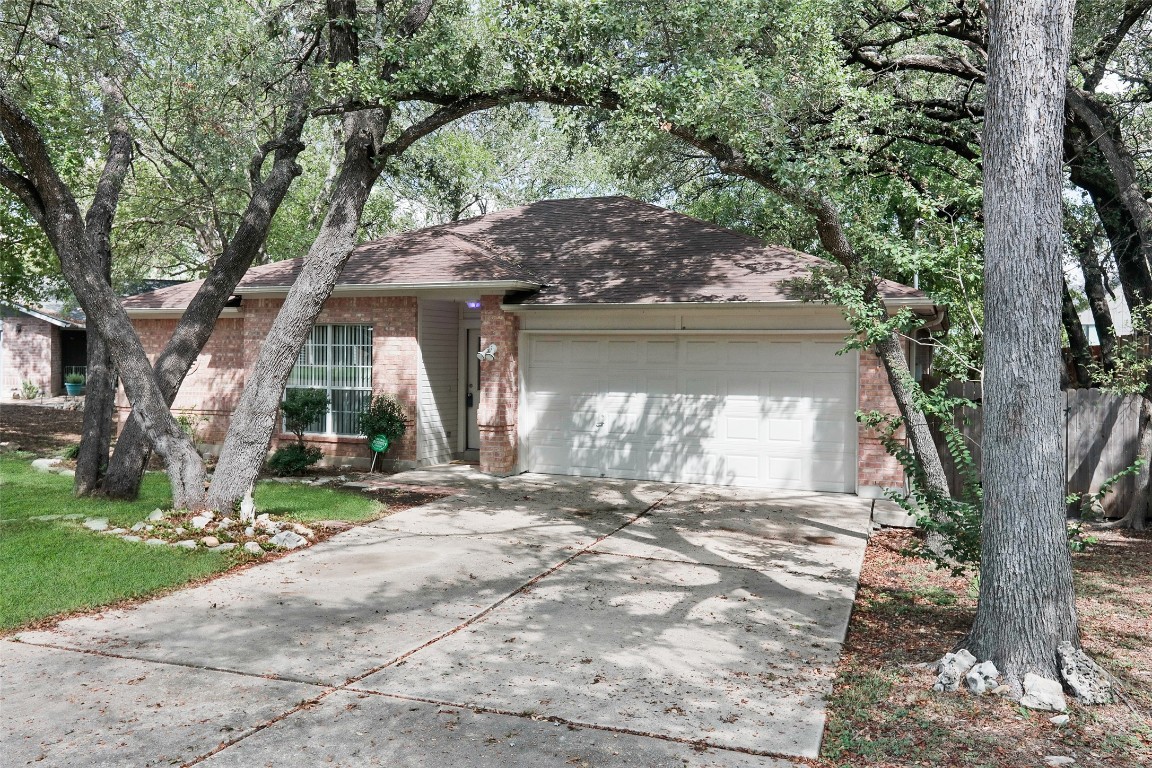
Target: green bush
{"points": [[72, 451], [75, 378], [384, 415], [293, 459], [29, 390], [301, 407]]}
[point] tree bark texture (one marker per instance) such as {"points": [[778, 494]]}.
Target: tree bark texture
{"points": [[196, 324], [1026, 606], [100, 371], [56, 209], [254, 420], [1077, 340]]}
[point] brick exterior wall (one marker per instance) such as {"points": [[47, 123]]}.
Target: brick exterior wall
{"points": [[213, 386], [875, 467], [498, 408], [31, 354]]}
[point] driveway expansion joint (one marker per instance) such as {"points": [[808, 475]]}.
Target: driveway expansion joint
{"points": [[348, 683], [578, 724]]}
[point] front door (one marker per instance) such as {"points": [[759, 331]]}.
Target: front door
{"points": [[472, 389]]}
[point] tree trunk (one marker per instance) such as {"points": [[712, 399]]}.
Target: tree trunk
{"points": [[54, 207], [196, 324], [1077, 340], [1098, 303], [1026, 605], [99, 404], [254, 420]]}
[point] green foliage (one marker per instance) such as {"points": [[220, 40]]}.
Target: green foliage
{"points": [[293, 459], [1131, 372], [302, 407], [384, 415], [1088, 504], [71, 452], [956, 519], [29, 390], [75, 378]]}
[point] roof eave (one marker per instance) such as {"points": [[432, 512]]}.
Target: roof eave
{"points": [[402, 289]]}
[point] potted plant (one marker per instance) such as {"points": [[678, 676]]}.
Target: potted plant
{"points": [[74, 384], [382, 422]]}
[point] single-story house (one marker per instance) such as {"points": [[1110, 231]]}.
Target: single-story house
{"points": [[602, 337], [40, 345]]}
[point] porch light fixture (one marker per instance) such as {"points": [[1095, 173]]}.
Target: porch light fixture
{"points": [[488, 354], [472, 304]]}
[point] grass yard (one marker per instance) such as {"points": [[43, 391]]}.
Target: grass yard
{"points": [[52, 567], [884, 713]]}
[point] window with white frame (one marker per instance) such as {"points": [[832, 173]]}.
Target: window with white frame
{"points": [[338, 360]]}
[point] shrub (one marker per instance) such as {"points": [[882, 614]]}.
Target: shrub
{"points": [[29, 390], [72, 451], [75, 378], [293, 459], [384, 415], [301, 407]]}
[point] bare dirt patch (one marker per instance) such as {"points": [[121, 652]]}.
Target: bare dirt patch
{"points": [[39, 429], [908, 614]]}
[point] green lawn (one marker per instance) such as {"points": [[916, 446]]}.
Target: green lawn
{"points": [[52, 567]]}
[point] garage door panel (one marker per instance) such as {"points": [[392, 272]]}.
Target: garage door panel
{"points": [[747, 411], [664, 352]]}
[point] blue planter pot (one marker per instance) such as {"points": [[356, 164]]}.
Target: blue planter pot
{"points": [[74, 390]]}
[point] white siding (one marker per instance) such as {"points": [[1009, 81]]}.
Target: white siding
{"points": [[438, 387]]}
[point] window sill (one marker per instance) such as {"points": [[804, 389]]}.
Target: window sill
{"points": [[284, 437]]}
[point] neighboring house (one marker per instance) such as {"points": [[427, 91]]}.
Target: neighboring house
{"points": [[41, 345], [45, 343], [623, 340]]}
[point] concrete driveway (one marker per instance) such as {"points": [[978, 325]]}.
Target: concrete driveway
{"points": [[529, 621]]}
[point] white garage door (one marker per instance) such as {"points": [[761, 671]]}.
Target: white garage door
{"points": [[772, 412]]}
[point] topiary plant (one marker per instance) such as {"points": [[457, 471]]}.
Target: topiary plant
{"points": [[384, 415], [301, 407]]}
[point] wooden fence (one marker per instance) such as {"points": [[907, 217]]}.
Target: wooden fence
{"points": [[1100, 439]]}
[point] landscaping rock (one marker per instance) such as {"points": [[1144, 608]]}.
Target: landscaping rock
{"points": [[268, 526], [186, 544], [253, 548], [249, 531], [115, 531], [225, 547], [247, 508], [138, 526], [131, 538], [155, 516], [982, 678], [210, 541], [45, 465], [1059, 760], [1042, 693], [155, 542], [288, 540], [303, 530], [67, 473], [357, 486], [201, 521], [96, 524], [225, 523], [332, 525], [1089, 683], [950, 670], [321, 481], [1059, 720]]}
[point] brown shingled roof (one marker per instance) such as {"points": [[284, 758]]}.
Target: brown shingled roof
{"points": [[606, 250]]}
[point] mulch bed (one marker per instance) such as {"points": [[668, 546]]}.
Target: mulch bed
{"points": [[39, 429], [908, 614]]}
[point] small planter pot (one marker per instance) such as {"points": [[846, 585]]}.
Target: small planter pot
{"points": [[74, 390]]}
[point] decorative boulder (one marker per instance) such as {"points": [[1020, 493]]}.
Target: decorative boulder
{"points": [[982, 678], [1089, 683], [288, 540], [950, 670], [1043, 693]]}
